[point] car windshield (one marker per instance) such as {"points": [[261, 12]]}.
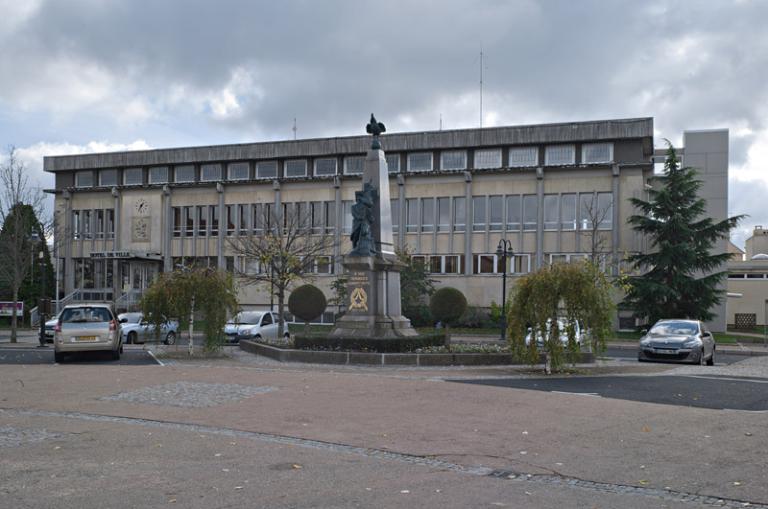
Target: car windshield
{"points": [[85, 315], [674, 329], [247, 318], [131, 317]]}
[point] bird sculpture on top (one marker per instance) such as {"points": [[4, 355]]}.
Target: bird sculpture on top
{"points": [[375, 128]]}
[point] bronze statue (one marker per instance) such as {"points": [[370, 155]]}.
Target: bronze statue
{"points": [[362, 222], [375, 128]]}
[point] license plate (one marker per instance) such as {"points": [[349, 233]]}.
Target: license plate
{"points": [[86, 338], [664, 351]]}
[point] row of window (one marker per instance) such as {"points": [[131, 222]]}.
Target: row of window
{"points": [[93, 224], [451, 160], [749, 275]]}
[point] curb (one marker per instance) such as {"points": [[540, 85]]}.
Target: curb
{"points": [[726, 350]]}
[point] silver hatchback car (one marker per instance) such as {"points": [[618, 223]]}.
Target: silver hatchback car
{"points": [[678, 340], [86, 328]]}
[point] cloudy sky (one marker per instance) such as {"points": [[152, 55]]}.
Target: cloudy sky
{"points": [[98, 75]]}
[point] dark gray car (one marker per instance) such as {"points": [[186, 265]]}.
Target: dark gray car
{"points": [[678, 340]]}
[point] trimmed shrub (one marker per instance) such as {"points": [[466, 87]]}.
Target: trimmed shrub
{"points": [[448, 305], [307, 302], [419, 316], [380, 345]]}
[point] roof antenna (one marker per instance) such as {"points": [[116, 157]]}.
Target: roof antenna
{"points": [[294, 129], [481, 85], [441, 121]]}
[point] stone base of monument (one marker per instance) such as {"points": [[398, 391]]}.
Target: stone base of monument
{"points": [[373, 309]]}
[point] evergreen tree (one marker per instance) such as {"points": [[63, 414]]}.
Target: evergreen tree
{"points": [[680, 275]]}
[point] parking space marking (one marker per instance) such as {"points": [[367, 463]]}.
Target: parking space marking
{"points": [[593, 394], [151, 354]]}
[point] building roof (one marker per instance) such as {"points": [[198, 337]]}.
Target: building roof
{"points": [[427, 140]]}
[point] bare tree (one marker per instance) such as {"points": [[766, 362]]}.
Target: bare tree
{"points": [[285, 249], [21, 213], [594, 217]]}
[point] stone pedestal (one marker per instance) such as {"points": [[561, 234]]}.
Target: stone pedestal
{"points": [[373, 299]]}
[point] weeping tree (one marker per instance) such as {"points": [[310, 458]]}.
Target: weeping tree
{"points": [[184, 293], [560, 293], [680, 276]]}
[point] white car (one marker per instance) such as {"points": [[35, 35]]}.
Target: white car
{"points": [[87, 327], [253, 325], [561, 326]]}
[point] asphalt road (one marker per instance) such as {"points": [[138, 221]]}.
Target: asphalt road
{"points": [[45, 356], [704, 391]]}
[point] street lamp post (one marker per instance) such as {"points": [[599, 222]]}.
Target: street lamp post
{"points": [[41, 306], [504, 250]]}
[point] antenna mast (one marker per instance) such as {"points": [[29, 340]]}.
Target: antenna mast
{"points": [[294, 129], [481, 86]]}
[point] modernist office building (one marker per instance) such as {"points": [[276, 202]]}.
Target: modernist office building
{"points": [[549, 189]]}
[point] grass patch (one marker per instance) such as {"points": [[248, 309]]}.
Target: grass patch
{"points": [[182, 354]]}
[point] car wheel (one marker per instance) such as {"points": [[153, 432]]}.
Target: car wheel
{"points": [[640, 358], [131, 338], [711, 360], [257, 337], [58, 356], [703, 357], [170, 338]]}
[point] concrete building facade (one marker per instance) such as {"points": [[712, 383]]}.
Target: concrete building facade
{"points": [[558, 192]]}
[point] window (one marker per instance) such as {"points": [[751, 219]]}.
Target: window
{"points": [[202, 220], [514, 213], [188, 220], [567, 258], [238, 171], [493, 264], [445, 264], [133, 177], [318, 216], [436, 264], [84, 179], [488, 158], [597, 153], [459, 214], [323, 265], [184, 173], [520, 264], [109, 226], [495, 212], [177, 221], [393, 163], [296, 168], [108, 177], [257, 218], [242, 219], [394, 205], [354, 165], [325, 166], [479, 218], [86, 224], [427, 215], [99, 224], [230, 211], [347, 217], [266, 170], [420, 161], [605, 206], [523, 156], [550, 212], [330, 216], [453, 160], [485, 264], [158, 175], [77, 226], [213, 214], [558, 155], [568, 212], [210, 173], [443, 214], [530, 212], [412, 215]]}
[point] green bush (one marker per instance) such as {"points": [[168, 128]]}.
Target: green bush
{"points": [[474, 318], [419, 315], [307, 303], [448, 305], [380, 345]]}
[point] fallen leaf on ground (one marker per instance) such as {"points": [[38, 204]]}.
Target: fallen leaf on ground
{"points": [[646, 429], [296, 466], [405, 491]]}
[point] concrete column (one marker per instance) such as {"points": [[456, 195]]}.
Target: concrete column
{"points": [[339, 213], [167, 229], [278, 212], [222, 228], [539, 217], [616, 230], [468, 223], [69, 269], [117, 287], [401, 205]]}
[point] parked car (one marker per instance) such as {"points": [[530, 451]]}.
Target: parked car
{"points": [[135, 329], [87, 327], [561, 326], [49, 326], [252, 325], [678, 340]]}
